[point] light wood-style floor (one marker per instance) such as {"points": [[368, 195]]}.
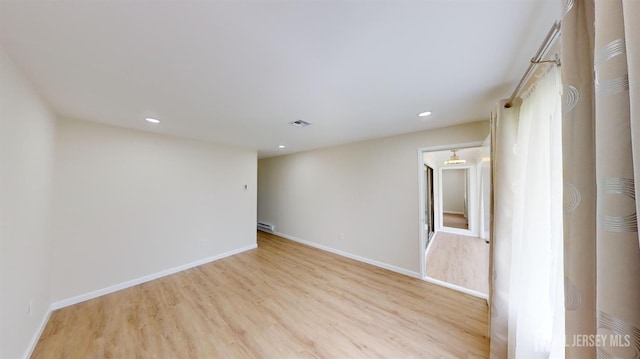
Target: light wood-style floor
{"points": [[282, 300], [452, 220], [460, 260]]}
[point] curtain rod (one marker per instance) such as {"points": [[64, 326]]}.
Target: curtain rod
{"points": [[537, 59]]}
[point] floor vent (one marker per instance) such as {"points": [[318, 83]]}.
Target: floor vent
{"points": [[266, 227]]}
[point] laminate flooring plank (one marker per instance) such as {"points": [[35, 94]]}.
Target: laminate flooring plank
{"points": [[281, 300]]}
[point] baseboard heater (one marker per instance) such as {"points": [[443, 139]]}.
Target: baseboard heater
{"points": [[266, 227]]}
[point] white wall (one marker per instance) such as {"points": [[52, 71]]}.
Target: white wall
{"points": [[27, 130], [360, 198], [453, 188], [429, 160], [126, 204], [130, 204]]}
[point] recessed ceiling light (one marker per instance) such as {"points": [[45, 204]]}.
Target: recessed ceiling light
{"points": [[152, 120], [424, 114], [282, 146]]}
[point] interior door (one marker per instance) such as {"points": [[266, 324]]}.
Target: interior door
{"points": [[429, 203]]}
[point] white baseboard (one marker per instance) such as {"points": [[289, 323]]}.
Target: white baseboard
{"points": [[114, 288], [464, 232], [36, 336], [351, 256], [452, 212], [472, 292]]}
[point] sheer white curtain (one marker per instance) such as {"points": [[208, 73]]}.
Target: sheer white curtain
{"points": [[536, 309], [504, 129], [528, 300]]}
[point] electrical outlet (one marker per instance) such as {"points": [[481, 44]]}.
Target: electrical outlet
{"points": [[341, 236], [203, 242]]}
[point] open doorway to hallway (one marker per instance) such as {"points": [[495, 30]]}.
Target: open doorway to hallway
{"points": [[454, 213]]}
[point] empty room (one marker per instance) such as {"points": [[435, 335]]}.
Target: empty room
{"points": [[319, 179]]}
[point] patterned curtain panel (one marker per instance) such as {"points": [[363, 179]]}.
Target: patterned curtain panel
{"points": [[601, 160]]}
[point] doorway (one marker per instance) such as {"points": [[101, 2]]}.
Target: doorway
{"points": [[458, 210], [454, 231]]}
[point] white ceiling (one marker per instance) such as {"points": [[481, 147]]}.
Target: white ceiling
{"points": [[237, 72]]}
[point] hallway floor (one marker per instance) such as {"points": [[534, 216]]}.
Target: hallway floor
{"points": [[459, 260], [452, 220]]}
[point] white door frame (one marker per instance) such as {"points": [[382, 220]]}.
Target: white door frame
{"points": [[421, 196], [472, 210]]}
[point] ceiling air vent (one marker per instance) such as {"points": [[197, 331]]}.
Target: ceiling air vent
{"points": [[299, 123]]}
